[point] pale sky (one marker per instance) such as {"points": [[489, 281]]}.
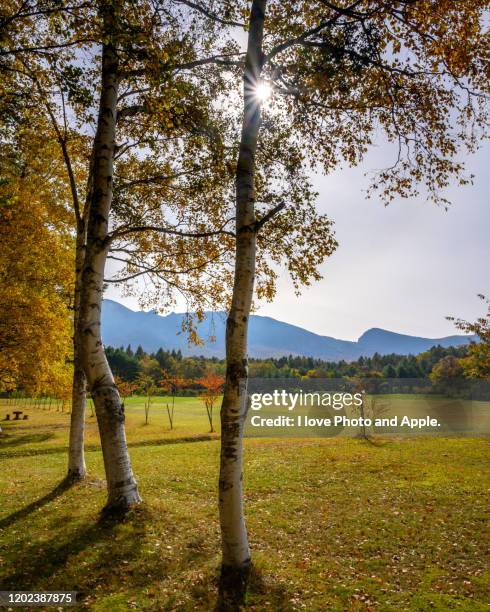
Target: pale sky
{"points": [[403, 268]]}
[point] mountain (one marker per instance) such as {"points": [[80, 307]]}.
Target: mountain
{"points": [[267, 337], [381, 341]]}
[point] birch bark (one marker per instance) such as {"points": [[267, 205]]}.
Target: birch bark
{"points": [[76, 456], [121, 484], [235, 549]]}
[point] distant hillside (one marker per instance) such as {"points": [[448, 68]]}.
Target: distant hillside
{"points": [[385, 342], [267, 337]]}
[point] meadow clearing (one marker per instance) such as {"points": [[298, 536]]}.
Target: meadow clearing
{"points": [[335, 523]]}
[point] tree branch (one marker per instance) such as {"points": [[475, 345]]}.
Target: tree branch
{"points": [[268, 216], [316, 30], [47, 47], [209, 14], [219, 60], [157, 178], [63, 145], [132, 111], [118, 233]]}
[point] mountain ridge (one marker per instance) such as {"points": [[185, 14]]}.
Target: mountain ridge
{"points": [[268, 337]]}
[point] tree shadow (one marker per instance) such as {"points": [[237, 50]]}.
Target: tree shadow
{"points": [[8, 441], [58, 490], [38, 563], [94, 447], [372, 440], [257, 587], [260, 586]]}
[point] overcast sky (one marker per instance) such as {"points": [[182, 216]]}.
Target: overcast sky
{"points": [[403, 268]]}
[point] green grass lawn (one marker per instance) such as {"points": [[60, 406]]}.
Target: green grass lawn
{"points": [[335, 523]]}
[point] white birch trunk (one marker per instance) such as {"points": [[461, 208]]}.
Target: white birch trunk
{"points": [[76, 456], [235, 549], [121, 484]]}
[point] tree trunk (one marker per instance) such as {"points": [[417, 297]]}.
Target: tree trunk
{"points": [[209, 410], [76, 459], [121, 485], [76, 456], [235, 549]]}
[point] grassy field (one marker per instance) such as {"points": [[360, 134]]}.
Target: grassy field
{"points": [[335, 523]]}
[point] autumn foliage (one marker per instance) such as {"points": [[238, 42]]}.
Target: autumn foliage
{"points": [[35, 270], [477, 363], [213, 387]]}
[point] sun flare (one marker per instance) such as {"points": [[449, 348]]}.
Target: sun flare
{"points": [[263, 91]]}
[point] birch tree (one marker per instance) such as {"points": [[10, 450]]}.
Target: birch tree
{"points": [[38, 61], [145, 97], [150, 107], [340, 72]]}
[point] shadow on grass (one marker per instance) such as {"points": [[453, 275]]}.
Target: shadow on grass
{"points": [[93, 447], [261, 587], [8, 441], [39, 562], [58, 490], [116, 557], [106, 559], [373, 440]]}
